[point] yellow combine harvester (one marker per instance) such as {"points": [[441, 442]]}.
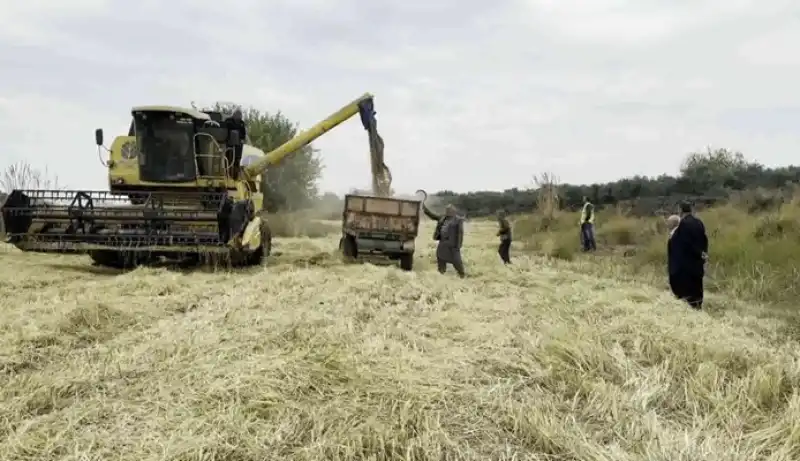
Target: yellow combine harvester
{"points": [[171, 193]]}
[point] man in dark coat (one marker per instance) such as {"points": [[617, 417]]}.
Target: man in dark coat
{"points": [[687, 253], [505, 237], [450, 234], [235, 122]]}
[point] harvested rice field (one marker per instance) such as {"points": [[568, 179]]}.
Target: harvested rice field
{"points": [[310, 358]]}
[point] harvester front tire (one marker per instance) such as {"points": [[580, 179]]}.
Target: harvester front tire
{"points": [[113, 259], [104, 258], [263, 251], [407, 261]]}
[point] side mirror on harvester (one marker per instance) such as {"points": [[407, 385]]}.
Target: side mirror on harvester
{"points": [[98, 136]]}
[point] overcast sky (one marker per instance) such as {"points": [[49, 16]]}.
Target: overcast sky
{"points": [[470, 94]]}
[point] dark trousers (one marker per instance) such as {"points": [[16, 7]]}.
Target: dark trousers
{"points": [[504, 250], [234, 155], [458, 265], [688, 287], [587, 237]]}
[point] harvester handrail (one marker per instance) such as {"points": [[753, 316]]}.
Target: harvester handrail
{"points": [[304, 138], [221, 156], [223, 160]]}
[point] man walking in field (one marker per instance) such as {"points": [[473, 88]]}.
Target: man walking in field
{"points": [[450, 234], [587, 226], [505, 237], [687, 253]]}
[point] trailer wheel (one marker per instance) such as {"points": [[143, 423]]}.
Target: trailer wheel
{"points": [[407, 261], [348, 246]]}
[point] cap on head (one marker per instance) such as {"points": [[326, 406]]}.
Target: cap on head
{"points": [[685, 207], [450, 209]]}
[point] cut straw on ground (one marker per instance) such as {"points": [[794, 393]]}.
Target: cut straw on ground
{"points": [[309, 358]]}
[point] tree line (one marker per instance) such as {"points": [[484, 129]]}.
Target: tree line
{"points": [[704, 178]]}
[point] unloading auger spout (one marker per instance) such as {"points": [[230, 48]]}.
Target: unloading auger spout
{"points": [[365, 107]]}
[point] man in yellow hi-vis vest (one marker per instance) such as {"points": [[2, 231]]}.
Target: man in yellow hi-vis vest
{"points": [[587, 226]]}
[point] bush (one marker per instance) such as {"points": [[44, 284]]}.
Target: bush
{"points": [[546, 234], [622, 230]]}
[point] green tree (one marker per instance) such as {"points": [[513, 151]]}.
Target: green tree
{"points": [[715, 170], [292, 184]]}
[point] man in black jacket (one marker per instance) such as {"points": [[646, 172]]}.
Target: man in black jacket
{"points": [[687, 253], [505, 237], [235, 122]]}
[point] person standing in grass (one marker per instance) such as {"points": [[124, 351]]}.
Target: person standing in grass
{"points": [[505, 237], [672, 224], [687, 253], [236, 122], [587, 226], [450, 235]]}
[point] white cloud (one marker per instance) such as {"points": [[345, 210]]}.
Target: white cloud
{"points": [[775, 48], [475, 95]]}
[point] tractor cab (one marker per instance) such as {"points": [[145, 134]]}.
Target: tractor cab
{"points": [[174, 145], [165, 140]]}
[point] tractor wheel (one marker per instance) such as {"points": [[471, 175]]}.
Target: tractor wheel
{"points": [[407, 261], [349, 246]]}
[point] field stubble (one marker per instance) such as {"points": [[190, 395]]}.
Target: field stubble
{"points": [[310, 358]]}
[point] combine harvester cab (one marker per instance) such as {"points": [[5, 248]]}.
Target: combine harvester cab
{"points": [[380, 226], [174, 193]]}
